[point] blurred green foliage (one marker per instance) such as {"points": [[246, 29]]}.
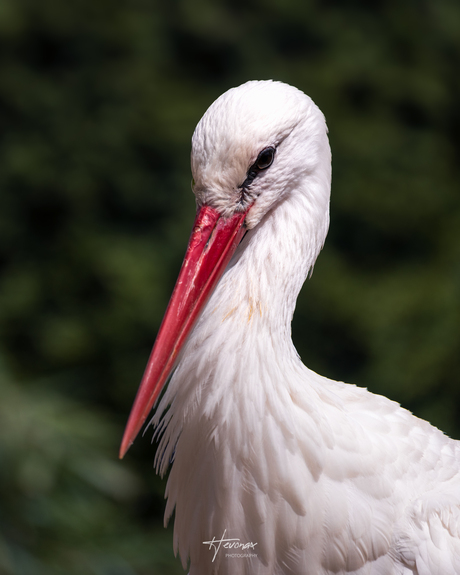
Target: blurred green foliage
{"points": [[98, 100]]}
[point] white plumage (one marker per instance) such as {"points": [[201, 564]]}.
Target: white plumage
{"points": [[320, 476]]}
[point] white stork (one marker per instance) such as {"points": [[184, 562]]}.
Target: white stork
{"points": [[275, 469]]}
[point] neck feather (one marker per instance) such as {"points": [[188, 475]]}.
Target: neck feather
{"points": [[242, 341]]}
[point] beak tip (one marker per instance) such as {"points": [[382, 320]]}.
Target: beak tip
{"points": [[125, 445], [129, 436]]}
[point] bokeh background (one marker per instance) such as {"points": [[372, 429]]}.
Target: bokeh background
{"points": [[98, 101]]}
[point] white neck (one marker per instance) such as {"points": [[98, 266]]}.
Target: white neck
{"points": [[269, 269], [245, 329]]}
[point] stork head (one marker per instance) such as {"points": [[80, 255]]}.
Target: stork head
{"points": [[255, 146]]}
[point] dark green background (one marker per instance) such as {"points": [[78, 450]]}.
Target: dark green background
{"points": [[98, 100]]}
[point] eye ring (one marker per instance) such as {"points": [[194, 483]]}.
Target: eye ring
{"points": [[265, 158]]}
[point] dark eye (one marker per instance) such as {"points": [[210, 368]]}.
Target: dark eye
{"points": [[265, 158]]}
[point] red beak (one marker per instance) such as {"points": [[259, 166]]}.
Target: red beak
{"points": [[212, 243]]}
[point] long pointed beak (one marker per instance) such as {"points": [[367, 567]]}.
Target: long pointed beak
{"points": [[212, 243]]}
